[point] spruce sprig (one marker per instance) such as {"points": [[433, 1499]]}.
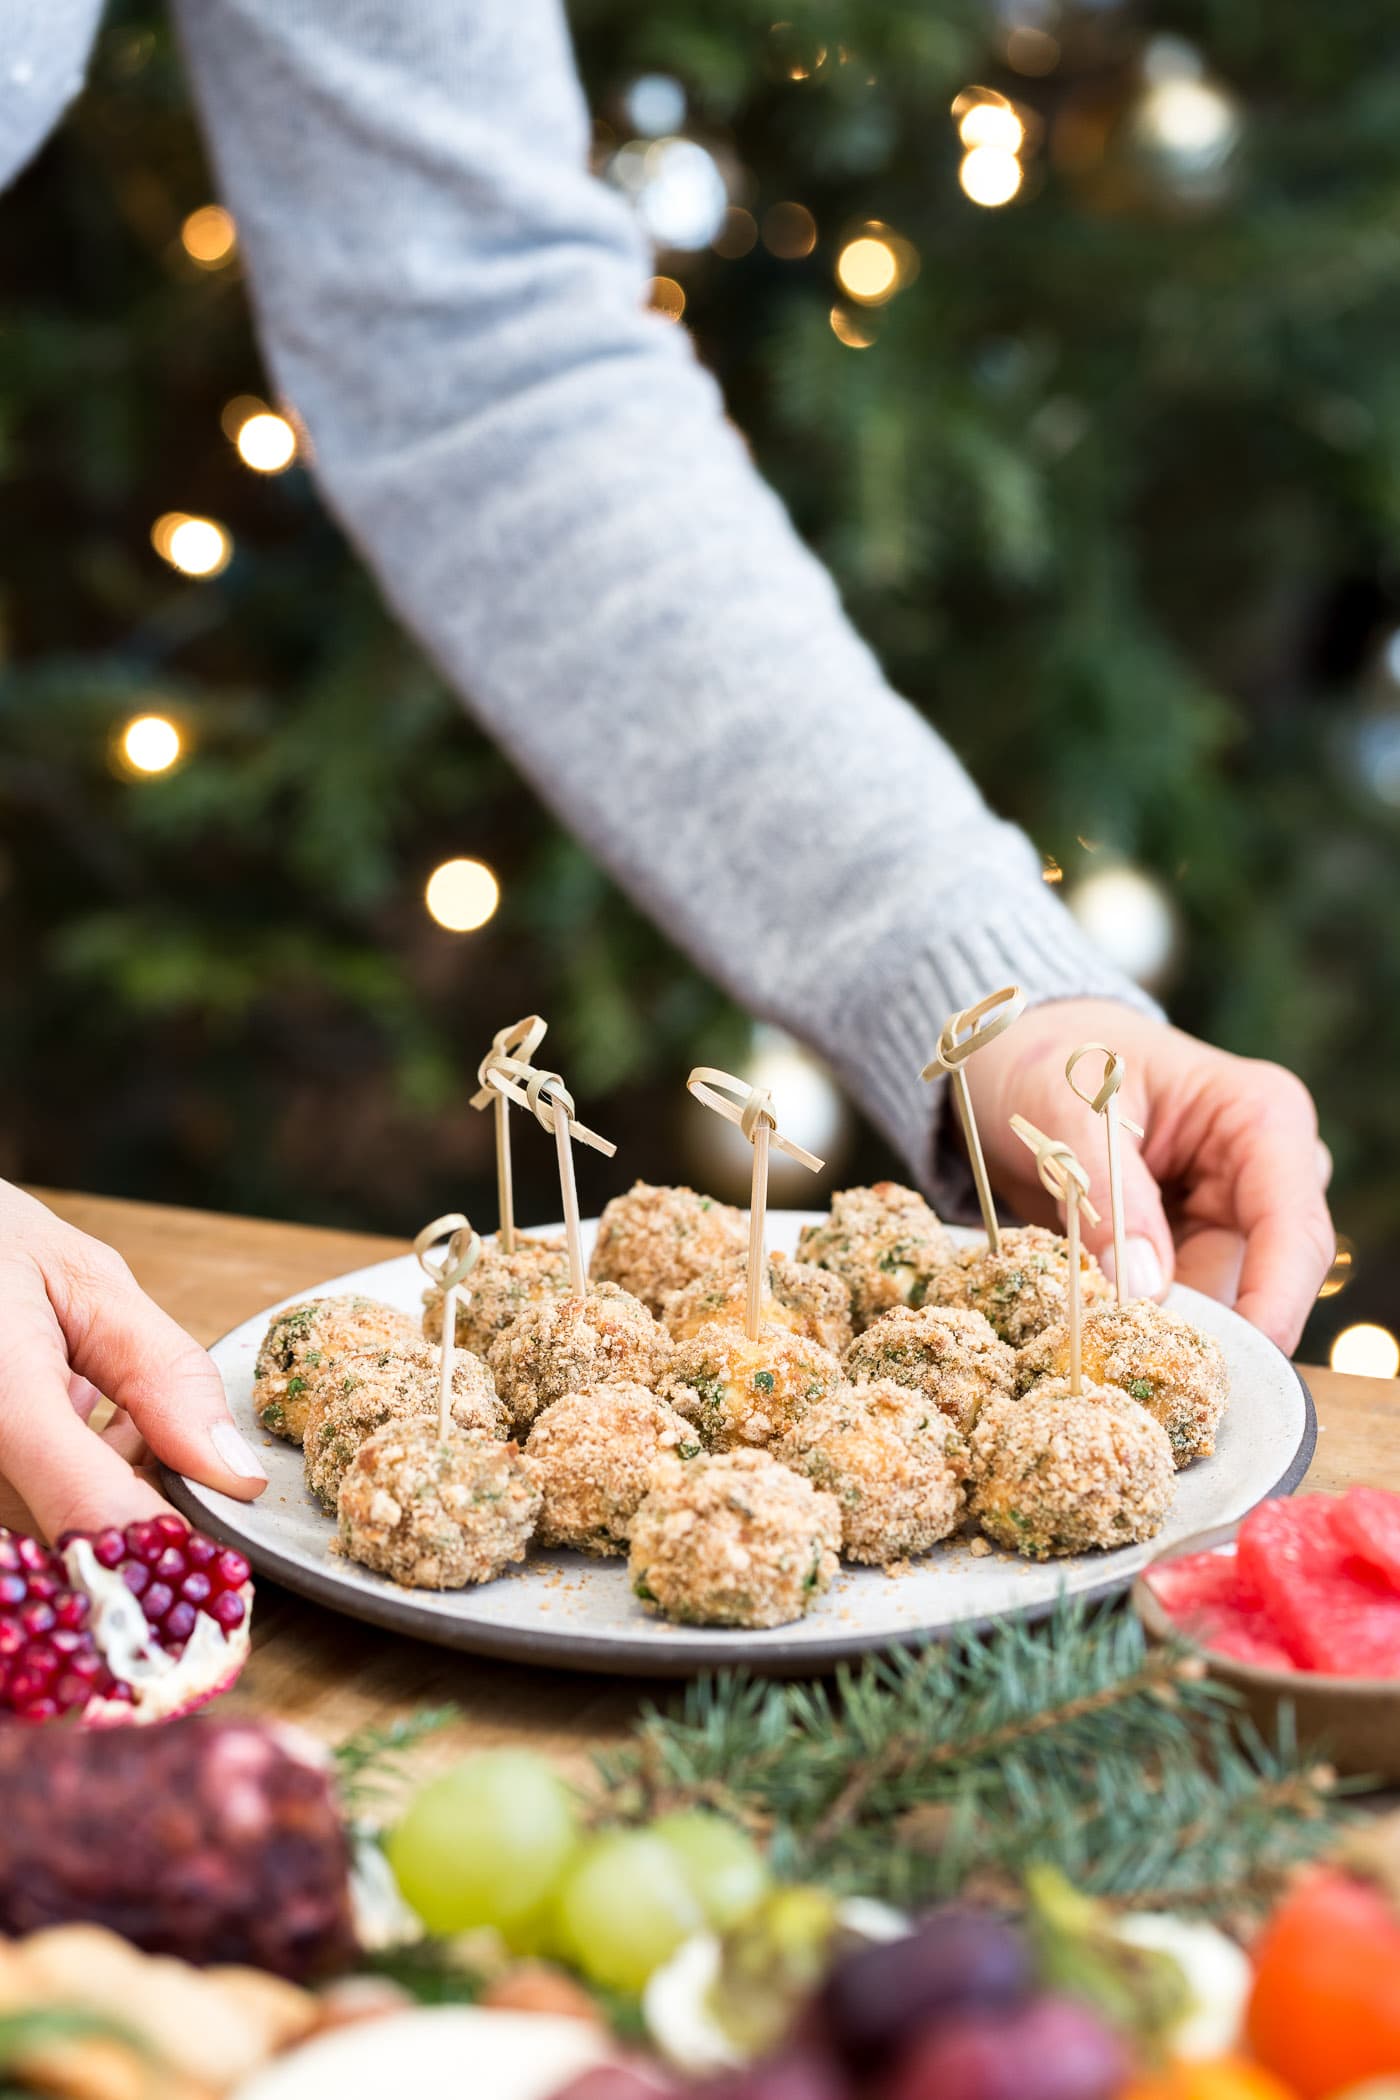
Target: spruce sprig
{"points": [[1072, 1744], [369, 1763]]}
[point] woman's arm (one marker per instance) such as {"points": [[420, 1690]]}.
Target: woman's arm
{"points": [[543, 480]]}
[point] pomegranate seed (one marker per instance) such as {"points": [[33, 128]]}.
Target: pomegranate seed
{"points": [[171, 1565], [157, 1601], [144, 1542], [200, 1552], [134, 1576], [41, 1659], [196, 1588], [65, 1640], [88, 1665], [232, 1570], [109, 1549], [71, 1609], [44, 1585], [9, 1552], [25, 1688], [120, 1690], [31, 1553], [36, 1618], [174, 1530], [11, 1637], [228, 1609], [42, 1709], [13, 1589], [72, 1690], [178, 1623]]}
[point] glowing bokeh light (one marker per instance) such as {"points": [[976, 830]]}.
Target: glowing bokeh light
{"points": [[848, 330], [867, 269], [266, 442], [789, 231], [990, 175], [462, 895], [1366, 1351], [150, 744], [737, 235], [194, 546], [992, 124], [666, 297], [209, 236]]}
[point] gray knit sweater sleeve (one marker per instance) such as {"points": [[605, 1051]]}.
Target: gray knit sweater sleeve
{"points": [[542, 478]]}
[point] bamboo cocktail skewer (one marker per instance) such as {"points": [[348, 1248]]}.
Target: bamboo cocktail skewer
{"points": [[509, 1047], [751, 1107], [552, 1105], [458, 1259], [1105, 1103], [1065, 1179], [984, 1022]]}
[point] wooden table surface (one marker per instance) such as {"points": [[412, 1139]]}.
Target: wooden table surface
{"points": [[333, 1674]]}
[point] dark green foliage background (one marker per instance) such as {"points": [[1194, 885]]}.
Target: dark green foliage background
{"points": [[1114, 495]]}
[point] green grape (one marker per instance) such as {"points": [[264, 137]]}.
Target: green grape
{"points": [[484, 1845], [721, 1862], [624, 1907]]}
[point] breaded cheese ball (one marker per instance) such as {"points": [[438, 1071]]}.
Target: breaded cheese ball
{"points": [[949, 1355], [811, 1301], [892, 1463], [740, 1392], [1021, 1288], [1173, 1369], [436, 1513], [595, 1456], [1055, 1474], [884, 1242], [498, 1290], [369, 1388], [654, 1241], [305, 1339], [565, 1345], [733, 1540]]}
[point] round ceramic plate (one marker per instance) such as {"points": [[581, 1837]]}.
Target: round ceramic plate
{"points": [[575, 1613]]}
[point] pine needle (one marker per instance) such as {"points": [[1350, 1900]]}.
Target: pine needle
{"points": [[369, 1763]]}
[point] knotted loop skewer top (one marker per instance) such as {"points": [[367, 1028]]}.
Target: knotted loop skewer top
{"points": [[984, 1022], [544, 1094], [1114, 1072], [458, 1258], [747, 1106], [510, 1047], [1060, 1172]]}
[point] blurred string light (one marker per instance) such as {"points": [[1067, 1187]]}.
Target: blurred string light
{"points": [[1185, 125], [462, 894], [209, 236], [789, 231], [993, 132], [1375, 733], [849, 329], [266, 442], [150, 744], [1342, 1269], [1366, 1351], [675, 187], [794, 55], [1128, 915], [1031, 49], [738, 232], [875, 263], [666, 297], [655, 104], [194, 546]]}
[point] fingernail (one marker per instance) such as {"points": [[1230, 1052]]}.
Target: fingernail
{"points": [[235, 1453], [1142, 1270]]}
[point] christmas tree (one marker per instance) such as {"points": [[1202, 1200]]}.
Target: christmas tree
{"points": [[1066, 332]]}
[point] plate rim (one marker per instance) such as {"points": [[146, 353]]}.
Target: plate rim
{"points": [[630, 1655]]}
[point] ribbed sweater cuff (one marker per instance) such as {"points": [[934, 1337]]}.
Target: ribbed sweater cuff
{"points": [[1039, 947]]}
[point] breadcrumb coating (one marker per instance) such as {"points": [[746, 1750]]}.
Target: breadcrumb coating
{"points": [[1054, 1474], [946, 1352], [498, 1290], [884, 1242], [565, 1345], [733, 1540], [890, 1459], [1023, 1287], [435, 1514], [371, 1387], [595, 1456], [1175, 1370], [740, 1392], [811, 1301], [304, 1340], [653, 1241]]}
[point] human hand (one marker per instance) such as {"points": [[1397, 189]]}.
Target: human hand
{"points": [[1226, 1191], [74, 1326]]}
